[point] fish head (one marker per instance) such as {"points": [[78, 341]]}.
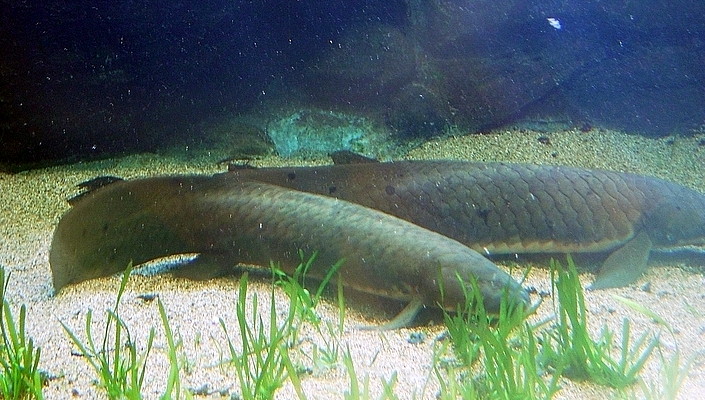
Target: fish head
{"points": [[84, 247], [461, 280], [678, 224], [123, 223]]}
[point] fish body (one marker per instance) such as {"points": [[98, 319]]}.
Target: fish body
{"points": [[409, 230], [504, 208], [247, 221]]}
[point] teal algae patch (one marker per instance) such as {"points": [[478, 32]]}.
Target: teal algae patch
{"points": [[313, 131]]}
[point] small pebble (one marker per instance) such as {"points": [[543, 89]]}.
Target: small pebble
{"points": [[147, 297], [203, 390], [646, 287], [544, 140], [416, 338], [443, 336]]}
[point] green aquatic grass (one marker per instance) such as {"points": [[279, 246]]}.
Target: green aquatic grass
{"points": [[505, 345], [496, 356], [20, 377], [356, 391], [173, 383], [117, 362], [520, 360], [672, 372], [341, 307], [672, 375], [388, 387], [453, 384], [353, 393], [263, 364], [303, 303], [296, 288], [119, 365], [570, 349], [326, 356]]}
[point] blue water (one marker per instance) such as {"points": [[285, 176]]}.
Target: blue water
{"points": [[84, 79]]}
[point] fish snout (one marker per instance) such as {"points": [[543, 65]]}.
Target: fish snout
{"points": [[74, 259]]}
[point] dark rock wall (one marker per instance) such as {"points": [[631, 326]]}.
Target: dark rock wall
{"points": [[80, 79], [85, 78], [631, 66]]}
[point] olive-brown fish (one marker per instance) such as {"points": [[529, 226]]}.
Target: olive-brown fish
{"points": [[231, 220], [503, 208]]}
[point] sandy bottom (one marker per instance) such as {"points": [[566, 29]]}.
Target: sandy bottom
{"points": [[34, 201]]}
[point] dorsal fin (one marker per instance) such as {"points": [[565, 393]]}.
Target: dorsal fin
{"points": [[348, 157], [92, 185]]}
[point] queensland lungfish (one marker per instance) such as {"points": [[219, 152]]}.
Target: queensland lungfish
{"points": [[409, 230], [502, 208], [229, 220]]}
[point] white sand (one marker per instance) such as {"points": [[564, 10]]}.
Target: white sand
{"points": [[34, 201]]}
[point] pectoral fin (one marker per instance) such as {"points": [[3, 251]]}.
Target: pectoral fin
{"points": [[205, 267], [404, 318], [625, 265]]}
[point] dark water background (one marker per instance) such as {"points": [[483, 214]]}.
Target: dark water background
{"points": [[85, 79]]}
